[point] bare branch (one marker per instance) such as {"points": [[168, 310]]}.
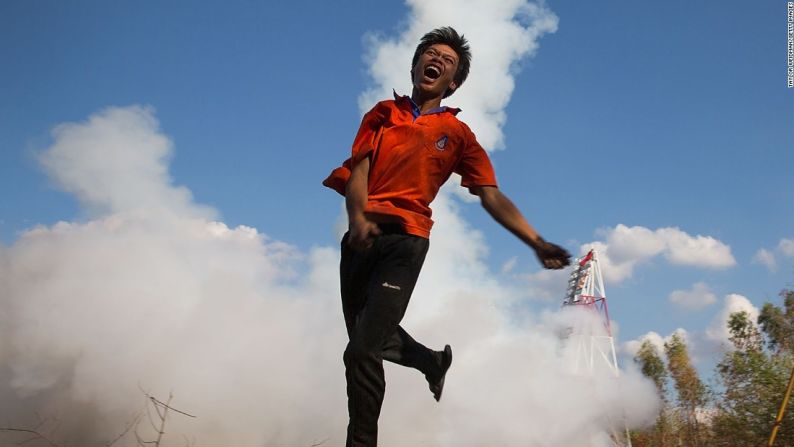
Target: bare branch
{"points": [[133, 423], [157, 407], [35, 433], [149, 417], [188, 442], [164, 405], [138, 439], [162, 419]]}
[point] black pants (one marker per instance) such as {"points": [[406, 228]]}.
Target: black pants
{"points": [[376, 287]]}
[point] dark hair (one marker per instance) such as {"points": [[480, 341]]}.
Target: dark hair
{"points": [[447, 36]]}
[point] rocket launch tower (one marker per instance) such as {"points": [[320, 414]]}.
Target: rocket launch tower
{"points": [[594, 347]]}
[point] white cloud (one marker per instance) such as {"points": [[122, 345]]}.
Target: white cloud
{"points": [[696, 251], [786, 246], [547, 284], [717, 331], [117, 160], [698, 297], [765, 258], [702, 345], [631, 347], [509, 265], [626, 247], [768, 259]]}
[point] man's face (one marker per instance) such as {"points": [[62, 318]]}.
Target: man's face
{"points": [[435, 70]]}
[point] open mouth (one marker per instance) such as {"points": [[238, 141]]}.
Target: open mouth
{"points": [[432, 72]]}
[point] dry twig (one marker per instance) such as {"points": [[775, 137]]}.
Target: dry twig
{"points": [[35, 433]]}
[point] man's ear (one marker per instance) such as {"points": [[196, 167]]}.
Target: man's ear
{"points": [[453, 86]]}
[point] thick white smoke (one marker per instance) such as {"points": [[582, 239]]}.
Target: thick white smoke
{"points": [[246, 331], [511, 383], [501, 33], [141, 298]]}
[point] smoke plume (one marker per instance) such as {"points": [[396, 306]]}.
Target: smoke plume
{"points": [[152, 295]]}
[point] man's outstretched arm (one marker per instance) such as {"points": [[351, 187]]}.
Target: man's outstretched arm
{"points": [[502, 209], [362, 230]]}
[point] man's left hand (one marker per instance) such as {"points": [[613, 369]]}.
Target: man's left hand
{"points": [[552, 256]]}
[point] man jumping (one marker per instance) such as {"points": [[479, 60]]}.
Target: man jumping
{"points": [[404, 151]]}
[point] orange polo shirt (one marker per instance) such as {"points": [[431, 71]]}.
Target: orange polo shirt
{"points": [[411, 156]]}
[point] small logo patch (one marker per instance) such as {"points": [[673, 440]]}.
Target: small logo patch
{"points": [[391, 286], [441, 143]]}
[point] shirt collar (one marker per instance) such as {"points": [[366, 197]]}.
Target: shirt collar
{"points": [[415, 108]]}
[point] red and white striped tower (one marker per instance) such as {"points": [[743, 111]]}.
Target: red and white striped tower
{"points": [[594, 347], [586, 289]]}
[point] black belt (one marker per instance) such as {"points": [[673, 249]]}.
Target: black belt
{"points": [[391, 228]]}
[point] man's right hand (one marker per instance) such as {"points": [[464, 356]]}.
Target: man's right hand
{"points": [[362, 233]]}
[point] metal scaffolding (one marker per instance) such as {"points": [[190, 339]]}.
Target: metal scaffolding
{"points": [[594, 348]]}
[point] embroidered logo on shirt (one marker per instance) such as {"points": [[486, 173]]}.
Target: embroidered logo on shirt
{"points": [[441, 143], [391, 286]]}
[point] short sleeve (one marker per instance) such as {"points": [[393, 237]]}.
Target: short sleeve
{"points": [[474, 165], [371, 124], [363, 146], [339, 178]]}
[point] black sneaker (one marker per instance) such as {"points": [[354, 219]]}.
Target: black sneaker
{"points": [[438, 386]]}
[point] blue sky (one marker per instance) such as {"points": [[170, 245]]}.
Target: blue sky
{"points": [[652, 114]]}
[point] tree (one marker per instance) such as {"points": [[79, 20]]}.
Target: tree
{"points": [[691, 392], [652, 366], [778, 324], [753, 376]]}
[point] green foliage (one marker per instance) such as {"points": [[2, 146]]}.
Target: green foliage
{"points": [[677, 423], [652, 366], [754, 380], [778, 324], [743, 333], [692, 393], [691, 390]]}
